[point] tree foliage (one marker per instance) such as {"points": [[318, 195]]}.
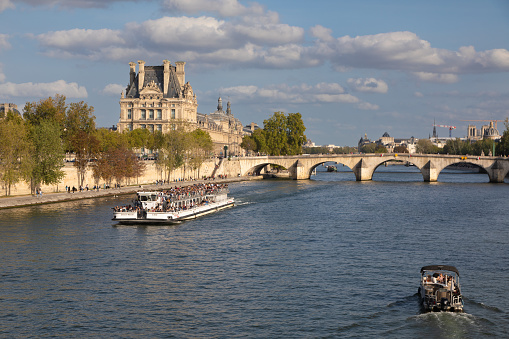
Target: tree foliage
{"points": [[47, 154], [373, 148], [16, 162], [118, 163], [503, 145], [50, 109], [281, 135], [425, 146]]}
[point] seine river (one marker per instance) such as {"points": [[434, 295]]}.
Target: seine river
{"points": [[324, 258]]}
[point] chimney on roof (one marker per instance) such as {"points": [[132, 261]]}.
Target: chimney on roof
{"points": [[166, 81], [132, 73], [181, 74], [141, 74]]}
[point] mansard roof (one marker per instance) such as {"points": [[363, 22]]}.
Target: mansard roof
{"points": [[156, 74]]}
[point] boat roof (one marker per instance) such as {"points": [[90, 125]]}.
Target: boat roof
{"points": [[440, 268]]}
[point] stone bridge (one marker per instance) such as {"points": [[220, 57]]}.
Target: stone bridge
{"points": [[364, 165]]}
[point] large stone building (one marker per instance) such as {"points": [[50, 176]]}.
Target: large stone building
{"points": [[158, 98], [5, 108]]}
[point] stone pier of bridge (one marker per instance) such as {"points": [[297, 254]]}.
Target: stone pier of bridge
{"points": [[300, 167]]}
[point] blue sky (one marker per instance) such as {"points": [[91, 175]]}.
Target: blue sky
{"points": [[349, 67]]}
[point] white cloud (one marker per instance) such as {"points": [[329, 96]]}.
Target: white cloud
{"points": [[418, 94], [368, 85], [113, 89], [436, 77], [225, 8], [405, 51], [6, 4], [29, 89], [77, 42], [4, 42], [298, 94], [69, 4], [250, 36], [367, 106]]}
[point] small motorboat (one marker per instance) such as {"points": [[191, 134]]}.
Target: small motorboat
{"points": [[439, 289]]}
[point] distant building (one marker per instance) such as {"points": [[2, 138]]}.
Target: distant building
{"points": [[485, 132], [390, 143], [363, 141], [5, 108], [158, 98]]}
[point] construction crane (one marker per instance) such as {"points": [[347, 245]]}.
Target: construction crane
{"points": [[446, 126], [494, 122]]}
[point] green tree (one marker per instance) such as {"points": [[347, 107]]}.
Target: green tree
{"points": [[248, 143], [172, 153], [110, 139], [503, 145], [276, 135], [15, 151], [484, 146], [295, 134], [47, 154], [369, 148], [425, 146], [260, 140], [201, 146], [53, 109]]}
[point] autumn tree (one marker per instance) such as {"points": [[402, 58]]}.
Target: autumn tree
{"points": [[119, 163], [400, 149], [80, 137], [86, 147], [15, 151], [50, 109]]}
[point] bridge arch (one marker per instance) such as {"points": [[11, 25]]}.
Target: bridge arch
{"points": [[364, 165]]}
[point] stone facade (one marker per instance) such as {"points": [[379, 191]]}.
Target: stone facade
{"points": [[5, 108], [157, 98]]}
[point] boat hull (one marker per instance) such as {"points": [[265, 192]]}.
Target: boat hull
{"points": [[164, 218]]}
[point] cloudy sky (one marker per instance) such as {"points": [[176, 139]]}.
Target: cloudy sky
{"points": [[349, 67]]}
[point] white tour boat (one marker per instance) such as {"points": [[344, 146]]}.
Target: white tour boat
{"points": [[439, 289], [174, 205]]}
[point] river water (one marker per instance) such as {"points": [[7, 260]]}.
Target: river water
{"points": [[324, 258]]}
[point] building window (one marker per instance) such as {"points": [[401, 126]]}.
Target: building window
{"points": [[172, 105], [143, 126], [159, 114], [129, 114], [173, 113], [130, 127], [173, 127], [159, 128], [151, 128], [143, 114], [151, 114]]}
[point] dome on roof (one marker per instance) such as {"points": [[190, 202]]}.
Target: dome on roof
{"points": [[386, 135]]}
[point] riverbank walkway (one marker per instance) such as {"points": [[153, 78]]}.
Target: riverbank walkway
{"points": [[50, 198]]}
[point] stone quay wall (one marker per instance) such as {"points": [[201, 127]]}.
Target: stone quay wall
{"points": [[152, 173]]}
